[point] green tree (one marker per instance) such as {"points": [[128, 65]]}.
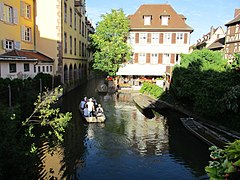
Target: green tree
{"points": [[110, 42]]}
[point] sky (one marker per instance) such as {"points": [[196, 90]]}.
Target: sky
{"points": [[200, 14]]}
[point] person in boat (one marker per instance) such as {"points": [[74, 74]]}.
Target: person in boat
{"points": [[99, 110], [85, 111], [90, 106], [83, 103]]}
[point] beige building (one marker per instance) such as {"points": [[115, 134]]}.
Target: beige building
{"points": [[232, 42], [158, 35]]}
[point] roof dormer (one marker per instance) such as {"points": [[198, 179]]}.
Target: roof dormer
{"points": [[164, 18], [147, 20]]}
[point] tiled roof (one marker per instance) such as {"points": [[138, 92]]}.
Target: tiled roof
{"points": [[27, 54], [176, 21], [219, 43], [235, 20]]}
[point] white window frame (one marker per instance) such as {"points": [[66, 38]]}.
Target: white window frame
{"points": [[154, 58], [179, 38], [143, 38], [166, 58], [155, 38], [142, 58], [26, 10], [8, 45], [131, 38], [147, 20], [26, 67], [8, 14], [26, 33], [177, 59], [167, 38], [165, 20]]}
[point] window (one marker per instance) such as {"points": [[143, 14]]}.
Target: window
{"points": [[142, 58], [143, 38], [82, 28], [165, 20], [131, 38], [43, 68], [177, 60], [154, 58], [26, 67], [70, 44], [50, 68], [47, 68], [75, 46], [12, 68], [80, 48], [70, 17], [166, 58], [179, 38], [25, 10], [39, 69], [65, 42], [75, 21], [155, 38], [65, 12], [26, 33], [8, 45], [35, 69], [147, 20], [167, 38], [8, 14]]}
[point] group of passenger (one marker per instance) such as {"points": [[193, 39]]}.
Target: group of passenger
{"points": [[90, 107]]}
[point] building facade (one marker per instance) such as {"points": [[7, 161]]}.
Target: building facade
{"points": [[158, 35], [58, 29], [232, 40]]}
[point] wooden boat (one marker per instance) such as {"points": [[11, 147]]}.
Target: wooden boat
{"points": [[93, 119], [204, 133]]}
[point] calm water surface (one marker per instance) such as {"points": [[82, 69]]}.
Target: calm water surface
{"points": [[129, 145]]}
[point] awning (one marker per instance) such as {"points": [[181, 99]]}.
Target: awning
{"points": [[142, 70]]}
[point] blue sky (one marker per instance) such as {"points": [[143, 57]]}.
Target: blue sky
{"points": [[200, 14]]}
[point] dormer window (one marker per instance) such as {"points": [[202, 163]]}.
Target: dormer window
{"points": [[147, 20], [165, 20]]}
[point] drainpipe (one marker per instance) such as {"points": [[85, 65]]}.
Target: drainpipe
{"points": [[34, 24]]}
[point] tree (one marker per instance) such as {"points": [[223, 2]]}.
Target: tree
{"points": [[110, 42]]}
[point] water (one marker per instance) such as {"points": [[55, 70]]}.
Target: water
{"points": [[128, 145]]}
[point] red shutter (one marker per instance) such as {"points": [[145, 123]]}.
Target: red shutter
{"points": [[172, 61], [148, 57], [173, 38], [185, 38], [149, 38], [160, 56], [137, 38], [160, 38], [136, 58]]}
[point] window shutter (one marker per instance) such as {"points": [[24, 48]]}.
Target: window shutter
{"points": [[149, 38], [148, 58], [136, 58], [172, 58], [1, 11], [4, 43], [173, 38], [160, 55], [30, 35], [15, 16], [23, 32], [17, 45], [137, 38], [22, 9], [185, 38], [160, 38]]}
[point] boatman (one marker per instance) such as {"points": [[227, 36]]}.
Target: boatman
{"points": [[90, 106]]}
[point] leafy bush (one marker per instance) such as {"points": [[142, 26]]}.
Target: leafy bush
{"points": [[226, 163], [151, 89]]}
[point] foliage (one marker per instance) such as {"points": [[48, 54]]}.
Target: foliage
{"points": [[110, 42], [51, 118], [151, 89], [235, 64], [208, 87], [226, 163]]}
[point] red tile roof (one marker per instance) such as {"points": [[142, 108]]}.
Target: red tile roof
{"points": [[27, 54], [176, 21]]}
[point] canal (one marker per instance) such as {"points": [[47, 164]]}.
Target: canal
{"points": [[128, 145]]}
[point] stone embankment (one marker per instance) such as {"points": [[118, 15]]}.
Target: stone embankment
{"points": [[145, 101]]}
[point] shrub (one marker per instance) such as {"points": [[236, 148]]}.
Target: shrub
{"points": [[151, 89]]}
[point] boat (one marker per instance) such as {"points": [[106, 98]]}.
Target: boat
{"points": [[204, 133], [93, 119]]}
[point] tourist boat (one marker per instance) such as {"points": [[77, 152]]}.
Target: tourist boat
{"points": [[93, 119], [206, 134]]}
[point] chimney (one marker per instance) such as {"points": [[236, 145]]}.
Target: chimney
{"points": [[237, 12]]}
